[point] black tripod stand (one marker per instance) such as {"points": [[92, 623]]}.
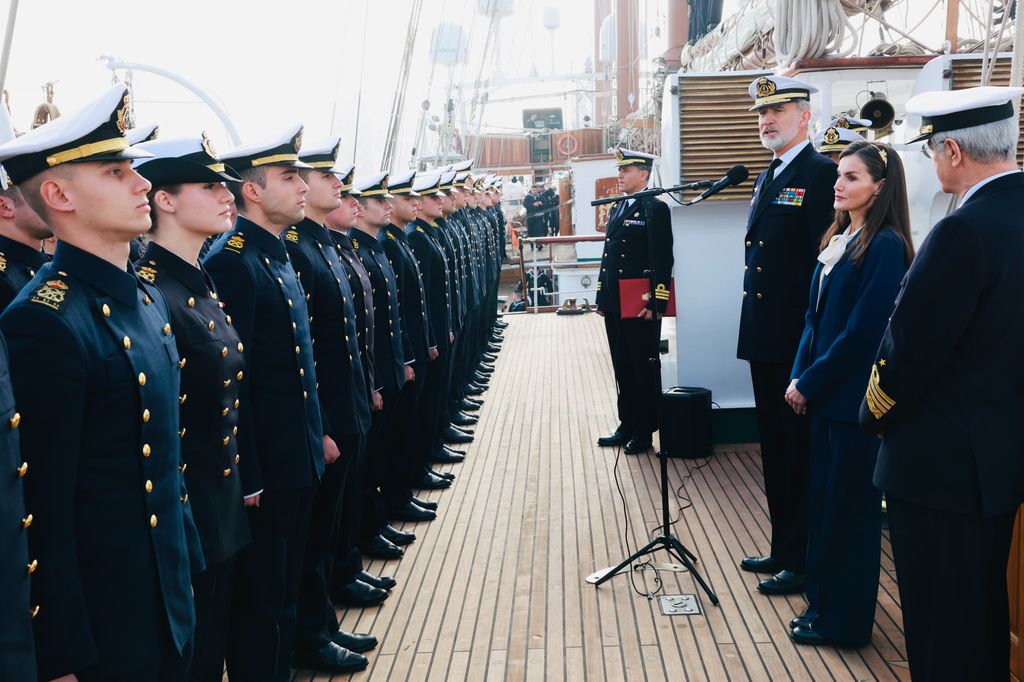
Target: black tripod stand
{"points": [[665, 540]]}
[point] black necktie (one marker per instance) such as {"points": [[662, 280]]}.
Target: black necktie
{"points": [[770, 175]]}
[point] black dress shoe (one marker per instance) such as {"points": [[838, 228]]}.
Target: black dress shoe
{"points": [[492, 349], [783, 582], [431, 482], [381, 582], [452, 451], [489, 357], [426, 504], [354, 642], [358, 594], [484, 368], [761, 564], [473, 389], [460, 418], [445, 457], [613, 439], [464, 429], [800, 622], [330, 659], [440, 474], [466, 405], [381, 548], [637, 445], [395, 537], [412, 512], [453, 435], [807, 636]]}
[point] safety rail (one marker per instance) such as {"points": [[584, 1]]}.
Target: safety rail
{"points": [[550, 243]]}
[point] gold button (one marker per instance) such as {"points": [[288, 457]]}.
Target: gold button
{"points": [[760, 295], [167, 329], [749, 243], [238, 459], [27, 521], [228, 318], [15, 420], [211, 325], [294, 326], [236, 403], [302, 372], [280, 281], [227, 472], [290, 304], [142, 378], [305, 395], [227, 382], [181, 434], [240, 347], [106, 310], [22, 470], [146, 450], [224, 352], [234, 430], [126, 342], [191, 302], [183, 468], [184, 499], [759, 269], [267, 261], [296, 350], [31, 568], [226, 440], [225, 411], [149, 486], [34, 611], [744, 294], [152, 521], [181, 363], [145, 416], [239, 376], [146, 300], [182, 398], [760, 243]]}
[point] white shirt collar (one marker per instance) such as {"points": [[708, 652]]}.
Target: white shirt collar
{"points": [[969, 193], [789, 155]]}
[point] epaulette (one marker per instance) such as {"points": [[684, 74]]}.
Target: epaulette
{"points": [[391, 236], [420, 229], [51, 294], [292, 235], [236, 243], [3, 262], [148, 272]]}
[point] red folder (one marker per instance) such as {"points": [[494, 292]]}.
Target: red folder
{"points": [[635, 295]]}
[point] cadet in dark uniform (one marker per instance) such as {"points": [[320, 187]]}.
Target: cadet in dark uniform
{"points": [[281, 441], [95, 373], [21, 235], [189, 203], [17, 652], [789, 212], [345, 401], [551, 209], [536, 218], [945, 395], [638, 240]]}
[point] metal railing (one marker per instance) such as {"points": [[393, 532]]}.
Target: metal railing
{"points": [[550, 243]]}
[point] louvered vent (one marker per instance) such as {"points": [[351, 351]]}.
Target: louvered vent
{"points": [[717, 132], [967, 74]]}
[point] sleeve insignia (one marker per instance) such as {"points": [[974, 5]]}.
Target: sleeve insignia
{"points": [[661, 292], [236, 243], [148, 273], [292, 235], [51, 294], [3, 263], [878, 400]]}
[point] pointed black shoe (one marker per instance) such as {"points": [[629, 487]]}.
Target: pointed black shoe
{"points": [[807, 636], [358, 594], [440, 474], [800, 622], [426, 504], [464, 429], [473, 389], [330, 658], [352, 641], [783, 582], [481, 379], [484, 368], [492, 349], [431, 482], [761, 564], [636, 445], [395, 537], [489, 357], [453, 451], [465, 405], [616, 438], [412, 512], [446, 457], [460, 418], [453, 435], [381, 548], [381, 582]]}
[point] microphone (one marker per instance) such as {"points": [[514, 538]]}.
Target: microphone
{"points": [[702, 184], [733, 176]]}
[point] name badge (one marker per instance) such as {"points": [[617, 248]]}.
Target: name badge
{"points": [[790, 196]]}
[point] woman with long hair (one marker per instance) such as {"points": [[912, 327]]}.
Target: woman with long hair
{"points": [[864, 255], [190, 203]]}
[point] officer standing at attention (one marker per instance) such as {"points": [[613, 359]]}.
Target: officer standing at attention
{"points": [[22, 233], [112, 540], [536, 218], [189, 203], [638, 240], [281, 440], [344, 399], [945, 395], [789, 212]]}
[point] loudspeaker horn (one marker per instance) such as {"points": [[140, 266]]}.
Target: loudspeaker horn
{"points": [[878, 111]]}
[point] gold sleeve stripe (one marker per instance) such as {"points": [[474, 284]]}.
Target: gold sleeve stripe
{"points": [[878, 400]]}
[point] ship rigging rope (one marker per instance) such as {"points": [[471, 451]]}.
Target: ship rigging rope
{"points": [[805, 29]]}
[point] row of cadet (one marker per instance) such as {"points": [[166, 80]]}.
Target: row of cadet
{"points": [[233, 375]]}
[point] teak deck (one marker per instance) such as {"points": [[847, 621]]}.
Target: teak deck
{"points": [[494, 588]]}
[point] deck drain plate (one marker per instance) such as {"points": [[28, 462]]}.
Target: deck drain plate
{"points": [[679, 605]]}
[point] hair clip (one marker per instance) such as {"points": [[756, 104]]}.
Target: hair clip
{"points": [[882, 153]]}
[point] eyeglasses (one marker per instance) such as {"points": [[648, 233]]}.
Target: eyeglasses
{"points": [[928, 150]]}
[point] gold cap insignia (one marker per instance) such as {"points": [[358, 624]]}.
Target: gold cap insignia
{"points": [[384, 184], [842, 122], [208, 146], [831, 136], [122, 114], [765, 87], [619, 156], [297, 142]]}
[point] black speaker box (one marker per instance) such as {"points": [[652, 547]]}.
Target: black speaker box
{"points": [[686, 422]]}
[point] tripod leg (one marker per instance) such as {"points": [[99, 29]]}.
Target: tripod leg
{"points": [[674, 544], [643, 551]]}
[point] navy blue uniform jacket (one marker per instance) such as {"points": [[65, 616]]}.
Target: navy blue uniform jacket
{"points": [[784, 228], [412, 297], [433, 265], [843, 329], [95, 372], [18, 265], [638, 238], [947, 386], [388, 347], [280, 435]]}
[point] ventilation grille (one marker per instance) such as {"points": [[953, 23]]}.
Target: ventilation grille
{"points": [[716, 131], [967, 74]]}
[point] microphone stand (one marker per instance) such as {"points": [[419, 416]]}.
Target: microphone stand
{"points": [[703, 184], [665, 540]]}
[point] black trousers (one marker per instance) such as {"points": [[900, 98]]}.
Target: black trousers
{"points": [[634, 350], [426, 430], [314, 602], [347, 560], [940, 556], [402, 470], [212, 590], [262, 632], [167, 665], [785, 451], [377, 459]]}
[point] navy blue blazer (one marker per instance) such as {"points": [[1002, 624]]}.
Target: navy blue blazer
{"points": [[638, 238], [18, 265], [784, 228], [843, 328], [412, 297], [388, 344], [947, 386], [433, 266]]}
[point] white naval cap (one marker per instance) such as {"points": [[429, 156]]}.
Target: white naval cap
{"points": [[465, 165], [94, 133], [769, 90], [280, 150], [143, 133], [322, 155], [850, 122], [402, 183], [945, 110], [6, 135], [428, 184], [346, 173], [182, 160], [834, 139], [448, 180], [375, 185]]}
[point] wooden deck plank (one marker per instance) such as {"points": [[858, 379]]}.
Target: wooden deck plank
{"points": [[494, 588]]}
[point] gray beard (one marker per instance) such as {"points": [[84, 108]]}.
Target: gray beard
{"points": [[780, 141]]}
